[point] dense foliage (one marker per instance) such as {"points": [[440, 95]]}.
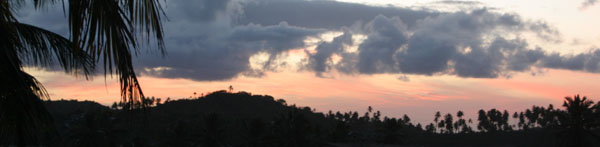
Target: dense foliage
{"points": [[101, 32], [242, 119]]}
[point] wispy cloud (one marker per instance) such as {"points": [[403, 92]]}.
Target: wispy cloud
{"points": [[587, 3]]}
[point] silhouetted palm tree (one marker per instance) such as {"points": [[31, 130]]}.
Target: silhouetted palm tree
{"points": [[436, 119], [430, 128], [449, 123], [461, 124], [484, 123], [579, 120], [100, 30], [504, 122]]}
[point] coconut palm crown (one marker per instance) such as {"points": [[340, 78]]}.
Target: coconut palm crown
{"points": [[101, 31]]}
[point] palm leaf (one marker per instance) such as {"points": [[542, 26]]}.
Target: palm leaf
{"points": [[24, 119], [100, 30], [39, 46], [146, 15], [110, 36], [6, 12]]}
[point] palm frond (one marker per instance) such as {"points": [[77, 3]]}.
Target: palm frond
{"points": [[146, 15], [110, 35], [6, 12], [24, 119], [38, 4], [39, 45], [9, 41]]}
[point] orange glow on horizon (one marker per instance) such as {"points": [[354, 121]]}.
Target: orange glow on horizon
{"points": [[419, 96]]}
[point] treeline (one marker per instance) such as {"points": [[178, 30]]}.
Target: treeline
{"points": [[495, 120], [222, 118]]}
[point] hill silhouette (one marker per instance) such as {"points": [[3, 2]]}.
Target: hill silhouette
{"points": [[222, 118], [186, 122], [240, 105]]}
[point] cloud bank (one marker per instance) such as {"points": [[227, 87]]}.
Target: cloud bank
{"points": [[466, 44], [211, 40]]}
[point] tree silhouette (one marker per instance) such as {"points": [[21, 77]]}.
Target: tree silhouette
{"points": [[436, 119], [504, 122], [430, 128], [24, 118], [158, 100], [461, 124], [256, 120], [405, 120], [550, 117], [495, 119], [579, 121], [99, 29], [484, 123], [449, 123], [391, 134]]}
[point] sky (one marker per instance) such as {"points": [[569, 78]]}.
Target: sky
{"points": [[401, 57]]}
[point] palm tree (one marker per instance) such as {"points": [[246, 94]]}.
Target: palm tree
{"points": [[579, 121], [436, 119], [448, 120], [106, 31]]}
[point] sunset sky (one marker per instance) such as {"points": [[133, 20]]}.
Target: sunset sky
{"points": [[411, 57]]}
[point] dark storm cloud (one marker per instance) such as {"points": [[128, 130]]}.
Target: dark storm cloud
{"points": [[199, 10], [220, 47], [321, 61], [451, 43], [500, 57], [51, 18], [438, 42], [323, 13], [589, 61], [225, 56], [206, 47], [455, 5], [215, 39], [202, 43], [458, 44], [376, 54]]}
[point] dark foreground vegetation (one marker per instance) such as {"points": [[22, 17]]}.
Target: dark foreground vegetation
{"points": [[106, 31], [242, 119]]}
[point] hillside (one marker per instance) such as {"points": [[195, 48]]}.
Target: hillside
{"points": [[227, 116], [243, 119]]}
